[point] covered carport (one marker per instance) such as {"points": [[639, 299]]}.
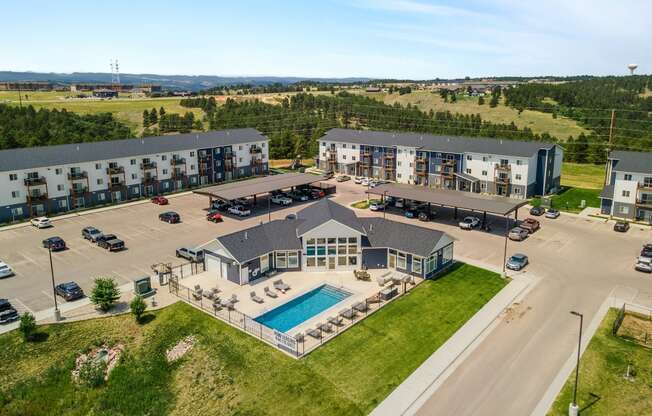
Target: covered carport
{"points": [[486, 204], [259, 186]]}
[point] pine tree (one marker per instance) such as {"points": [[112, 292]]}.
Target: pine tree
{"points": [[145, 118]]}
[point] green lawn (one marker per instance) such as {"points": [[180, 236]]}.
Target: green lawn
{"points": [[231, 373], [582, 175], [364, 204], [603, 390], [570, 199]]}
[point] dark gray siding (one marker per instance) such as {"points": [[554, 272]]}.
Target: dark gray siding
{"points": [[374, 258]]}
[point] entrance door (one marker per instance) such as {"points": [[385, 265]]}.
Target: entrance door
{"points": [[331, 263], [244, 275], [224, 273], [264, 263], [392, 261]]}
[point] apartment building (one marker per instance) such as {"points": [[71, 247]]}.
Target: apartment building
{"points": [[516, 169], [54, 179], [627, 191]]}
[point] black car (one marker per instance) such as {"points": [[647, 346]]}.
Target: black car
{"points": [[621, 226], [105, 237], [54, 243], [170, 217], [69, 291], [647, 250], [113, 244], [425, 215], [7, 312], [537, 211]]}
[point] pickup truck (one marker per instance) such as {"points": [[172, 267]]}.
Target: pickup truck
{"points": [[530, 225], [280, 199], [113, 244], [190, 254], [240, 211]]}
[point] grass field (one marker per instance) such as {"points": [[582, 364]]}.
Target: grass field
{"points": [[582, 175], [231, 373], [570, 199], [603, 389], [538, 121]]}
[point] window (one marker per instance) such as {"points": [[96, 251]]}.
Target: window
{"points": [[98, 166], [13, 177], [343, 145], [262, 144], [411, 152], [101, 197], [164, 157], [626, 194], [401, 262], [134, 176], [431, 263], [647, 181], [192, 154], [518, 162], [504, 162], [628, 177], [59, 187], [517, 176], [132, 162], [398, 175], [17, 212], [165, 171], [353, 240], [353, 260], [624, 210], [468, 171], [517, 191], [311, 262], [58, 171], [293, 259], [484, 158], [323, 143], [353, 158], [416, 265], [353, 146], [63, 203], [343, 157], [240, 147], [239, 160], [484, 173], [192, 167], [469, 157], [447, 254], [281, 260], [15, 194], [483, 186], [100, 181]]}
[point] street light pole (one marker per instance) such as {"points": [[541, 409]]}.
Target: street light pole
{"points": [[505, 250], [269, 208], [57, 313], [573, 408], [384, 203]]}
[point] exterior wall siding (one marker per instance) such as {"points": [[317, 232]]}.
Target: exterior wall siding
{"points": [[374, 258]]}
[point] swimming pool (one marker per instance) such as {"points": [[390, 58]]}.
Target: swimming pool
{"points": [[302, 308]]}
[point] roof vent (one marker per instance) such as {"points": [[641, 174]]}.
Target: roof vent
{"points": [[246, 236], [78, 148], [371, 227]]}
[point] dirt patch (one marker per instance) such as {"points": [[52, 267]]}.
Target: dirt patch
{"points": [[180, 349], [108, 357], [515, 311], [637, 328]]}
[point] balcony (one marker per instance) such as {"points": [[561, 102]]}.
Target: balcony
{"points": [[389, 156], [448, 162], [35, 181], [37, 196], [148, 165], [178, 174], [116, 185], [176, 161], [228, 154], [75, 176], [255, 149], [149, 179], [115, 170], [204, 157], [78, 191], [503, 167], [502, 179]]}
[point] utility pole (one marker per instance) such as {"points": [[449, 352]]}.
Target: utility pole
{"points": [[57, 313], [20, 95], [611, 136], [573, 408]]}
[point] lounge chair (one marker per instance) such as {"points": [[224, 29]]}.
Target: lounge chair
{"points": [[216, 305], [360, 306], [315, 333], [197, 292], [335, 320], [325, 327], [382, 280], [280, 285], [256, 298], [234, 298], [348, 313], [226, 303], [298, 337], [210, 294], [270, 293]]}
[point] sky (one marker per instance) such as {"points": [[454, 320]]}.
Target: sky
{"points": [[400, 39]]}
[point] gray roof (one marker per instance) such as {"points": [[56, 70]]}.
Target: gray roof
{"points": [[65, 154], [636, 162], [607, 192], [466, 200], [449, 144], [241, 189], [466, 176], [404, 237], [325, 210], [256, 241]]}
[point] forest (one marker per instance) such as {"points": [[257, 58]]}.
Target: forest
{"points": [[27, 127]]}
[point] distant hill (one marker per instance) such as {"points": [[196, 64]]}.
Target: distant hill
{"points": [[172, 82]]}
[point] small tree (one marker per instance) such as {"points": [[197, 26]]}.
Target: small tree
{"points": [[480, 100], [93, 372], [105, 293], [138, 307], [27, 326]]}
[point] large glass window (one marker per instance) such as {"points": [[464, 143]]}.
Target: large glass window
{"points": [[431, 263], [401, 262], [416, 264], [447, 254], [293, 259], [281, 260], [310, 250], [321, 261], [311, 262]]}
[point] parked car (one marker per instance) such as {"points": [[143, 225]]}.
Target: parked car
{"points": [[552, 213], [281, 199], [343, 178], [377, 205], [426, 215], [517, 261], [518, 234], [399, 203], [643, 267], [190, 254], [41, 222], [328, 175], [69, 291], [537, 211], [159, 200], [411, 213], [244, 202], [221, 205], [214, 217], [170, 217], [358, 180], [112, 244], [314, 193], [364, 182], [240, 211], [373, 184], [54, 243], [530, 225], [7, 312], [469, 223], [298, 195], [91, 233], [621, 226], [647, 250], [291, 216], [5, 270]]}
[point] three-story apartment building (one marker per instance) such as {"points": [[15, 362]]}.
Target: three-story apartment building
{"points": [[627, 191], [511, 168], [53, 179]]}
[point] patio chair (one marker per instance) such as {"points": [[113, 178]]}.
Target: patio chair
{"points": [[226, 303], [348, 313], [335, 320], [315, 333], [299, 337], [234, 298], [269, 292], [256, 298], [216, 305], [360, 306], [280, 285], [197, 292], [325, 327], [382, 280]]}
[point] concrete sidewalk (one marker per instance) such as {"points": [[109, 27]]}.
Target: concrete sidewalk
{"points": [[410, 395]]}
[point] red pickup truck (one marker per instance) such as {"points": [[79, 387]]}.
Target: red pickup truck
{"points": [[530, 224]]}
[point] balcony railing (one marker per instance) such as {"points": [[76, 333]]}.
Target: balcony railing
{"points": [[255, 149], [34, 181], [449, 162], [178, 174], [115, 170], [502, 179], [500, 166], [37, 196], [78, 190], [204, 156], [116, 185], [75, 176], [150, 179], [176, 161], [148, 165]]}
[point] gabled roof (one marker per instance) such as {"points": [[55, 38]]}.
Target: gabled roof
{"points": [[324, 211], [256, 241], [636, 162], [607, 192], [65, 154], [448, 144], [404, 237]]}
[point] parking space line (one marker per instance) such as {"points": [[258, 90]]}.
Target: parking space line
{"points": [[22, 304], [47, 294]]}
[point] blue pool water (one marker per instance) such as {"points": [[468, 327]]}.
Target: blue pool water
{"points": [[302, 308]]}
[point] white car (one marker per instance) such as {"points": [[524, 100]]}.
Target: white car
{"points": [[41, 222], [469, 223], [240, 211], [281, 199], [552, 213], [358, 180], [377, 206], [5, 270], [364, 182]]}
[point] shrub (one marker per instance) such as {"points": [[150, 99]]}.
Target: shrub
{"points": [[105, 293], [27, 326], [138, 307], [92, 372]]}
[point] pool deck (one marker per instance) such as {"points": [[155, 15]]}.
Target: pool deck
{"points": [[299, 282]]}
